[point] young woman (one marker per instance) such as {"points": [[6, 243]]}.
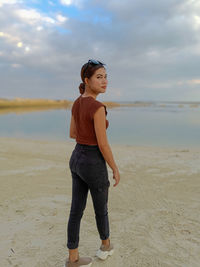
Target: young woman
{"points": [[88, 162]]}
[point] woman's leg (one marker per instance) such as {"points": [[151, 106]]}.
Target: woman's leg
{"points": [[100, 200], [79, 199]]}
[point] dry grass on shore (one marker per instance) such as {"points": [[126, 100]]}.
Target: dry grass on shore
{"points": [[23, 105], [23, 102], [35, 103]]}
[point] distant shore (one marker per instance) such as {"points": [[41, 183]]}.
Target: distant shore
{"points": [[39, 102], [28, 104]]}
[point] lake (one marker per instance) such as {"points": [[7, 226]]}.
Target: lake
{"points": [[167, 125]]}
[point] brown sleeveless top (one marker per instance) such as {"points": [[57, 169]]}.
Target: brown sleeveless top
{"points": [[83, 110]]}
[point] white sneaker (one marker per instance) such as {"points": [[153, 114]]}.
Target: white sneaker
{"points": [[104, 252]]}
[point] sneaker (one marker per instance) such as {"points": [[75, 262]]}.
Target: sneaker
{"points": [[104, 252], [82, 261]]}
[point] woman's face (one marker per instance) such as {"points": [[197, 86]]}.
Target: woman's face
{"points": [[98, 82]]}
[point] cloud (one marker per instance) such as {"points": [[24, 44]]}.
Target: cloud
{"points": [[190, 82], [151, 49], [32, 16], [19, 44], [77, 3], [15, 65], [10, 38], [195, 81], [66, 2], [61, 19], [196, 21], [9, 2]]}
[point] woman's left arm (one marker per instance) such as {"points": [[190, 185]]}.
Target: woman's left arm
{"points": [[72, 133]]}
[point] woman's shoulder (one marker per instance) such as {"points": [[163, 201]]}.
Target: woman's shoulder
{"points": [[92, 103], [99, 103]]}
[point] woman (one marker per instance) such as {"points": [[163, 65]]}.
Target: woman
{"points": [[88, 162]]}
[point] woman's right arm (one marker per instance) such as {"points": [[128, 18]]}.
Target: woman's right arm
{"points": [[100, 130], [72, 131]]}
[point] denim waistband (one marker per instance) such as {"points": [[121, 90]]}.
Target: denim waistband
{"points": [[86, 147]]}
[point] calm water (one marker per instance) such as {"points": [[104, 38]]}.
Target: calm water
{"points": [[147, 126]]}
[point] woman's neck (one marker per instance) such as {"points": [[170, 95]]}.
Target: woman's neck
{"points": [[85, 94]]}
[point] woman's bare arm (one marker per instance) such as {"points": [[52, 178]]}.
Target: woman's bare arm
{"points": [[100, 130], [72, 131]]}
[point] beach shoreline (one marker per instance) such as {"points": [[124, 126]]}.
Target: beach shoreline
{"points": [[153, 212], [25, 105]]}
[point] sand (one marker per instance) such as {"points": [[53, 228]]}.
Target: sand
{"points": [[154, 211]]}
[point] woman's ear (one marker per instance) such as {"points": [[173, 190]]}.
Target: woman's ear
{"points": [[86, 81]]}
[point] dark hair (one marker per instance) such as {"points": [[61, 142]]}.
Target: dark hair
{"points": [[87, 70]]}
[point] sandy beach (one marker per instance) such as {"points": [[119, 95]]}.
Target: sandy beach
{"points": [[154, 211]]}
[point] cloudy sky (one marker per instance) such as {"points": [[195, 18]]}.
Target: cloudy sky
{"points": [[151, 48]]}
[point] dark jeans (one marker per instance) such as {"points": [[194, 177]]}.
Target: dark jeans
{"points": [[89, 172]]}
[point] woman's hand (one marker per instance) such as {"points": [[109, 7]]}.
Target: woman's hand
{"points": [[116, 176]]}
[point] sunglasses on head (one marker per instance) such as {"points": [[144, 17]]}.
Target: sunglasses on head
{"points": [[95, 62]]}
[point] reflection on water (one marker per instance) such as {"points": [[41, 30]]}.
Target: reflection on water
{"points": [[156, 125]]}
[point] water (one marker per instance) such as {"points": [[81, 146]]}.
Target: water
{"points": [[155, 125]]}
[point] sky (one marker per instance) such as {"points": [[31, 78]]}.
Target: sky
{"points": [[151, 48]]}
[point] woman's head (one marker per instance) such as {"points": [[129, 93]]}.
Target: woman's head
{"points": [[88, 70]]}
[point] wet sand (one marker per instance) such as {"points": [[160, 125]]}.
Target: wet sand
{"points": [[154, 211]]}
